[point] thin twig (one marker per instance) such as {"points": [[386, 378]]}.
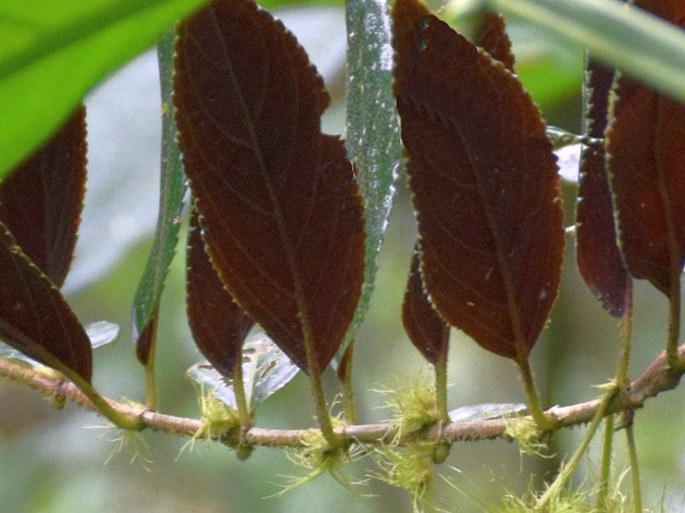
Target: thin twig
{"points": [[657, 378]]}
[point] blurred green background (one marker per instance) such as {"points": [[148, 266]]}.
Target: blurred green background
{"points": [[68, 461]]}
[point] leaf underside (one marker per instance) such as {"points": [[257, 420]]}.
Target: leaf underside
{"points": [[646, 147], [599, 258], [218, 325], [281, 210], [492, 37], [426, 329], [35, 318], [41, 202], [485, 190]]}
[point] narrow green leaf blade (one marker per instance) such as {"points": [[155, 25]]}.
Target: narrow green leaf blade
{"points": [[372, 138], [53, 52], [173, 187], [614, 34]]}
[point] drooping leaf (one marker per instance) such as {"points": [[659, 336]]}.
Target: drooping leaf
{"points": [[426, 329], [491, 36], [646, 147], [41, 202], [614, 34], [485, 191], [281, 210], [35, 318], [372, 137], [219, 326], [172, 191], [599, 258], [52, 53], [266, 369]]}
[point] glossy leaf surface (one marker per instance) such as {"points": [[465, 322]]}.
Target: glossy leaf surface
{"points": [[281, 210], [173, 188], [598, 255], [266, 369], [646, 146], [426, 329], [41, 202], [219, 326], [373, 130], [485, 191], [35, 319]]}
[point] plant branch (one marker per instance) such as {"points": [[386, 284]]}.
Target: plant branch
{"points": [[657, 378]]}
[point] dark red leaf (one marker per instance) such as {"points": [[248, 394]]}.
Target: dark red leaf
{"points": [[41, 201], [282, 214], [408, 23], [146, 340], [646, 147], [219, 326], [599, 257], [491, 36], [485, 190], [34, 318], [426, 329]]}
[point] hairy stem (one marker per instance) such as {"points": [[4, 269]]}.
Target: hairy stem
{"points": [[532, 396], [239, 390], [568, 469], [605, 471], [674, 360], [625, 337], [345, 379], [657, 378], [634, 468], [442, 450]]}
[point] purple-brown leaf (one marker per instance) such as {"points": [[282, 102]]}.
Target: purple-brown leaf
{"points": [[485, 190], [426, 329], [282, 215], [646, 147], [34, 318], [219, 326], [491, 36], [41, 201], [599, 257]]}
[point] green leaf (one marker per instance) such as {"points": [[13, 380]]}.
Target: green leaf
{"points": [[53, 52], [372, 138], [647, 48], [172, 191]]}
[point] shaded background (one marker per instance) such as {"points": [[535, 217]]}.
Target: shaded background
{"points": [[65, 461]]}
